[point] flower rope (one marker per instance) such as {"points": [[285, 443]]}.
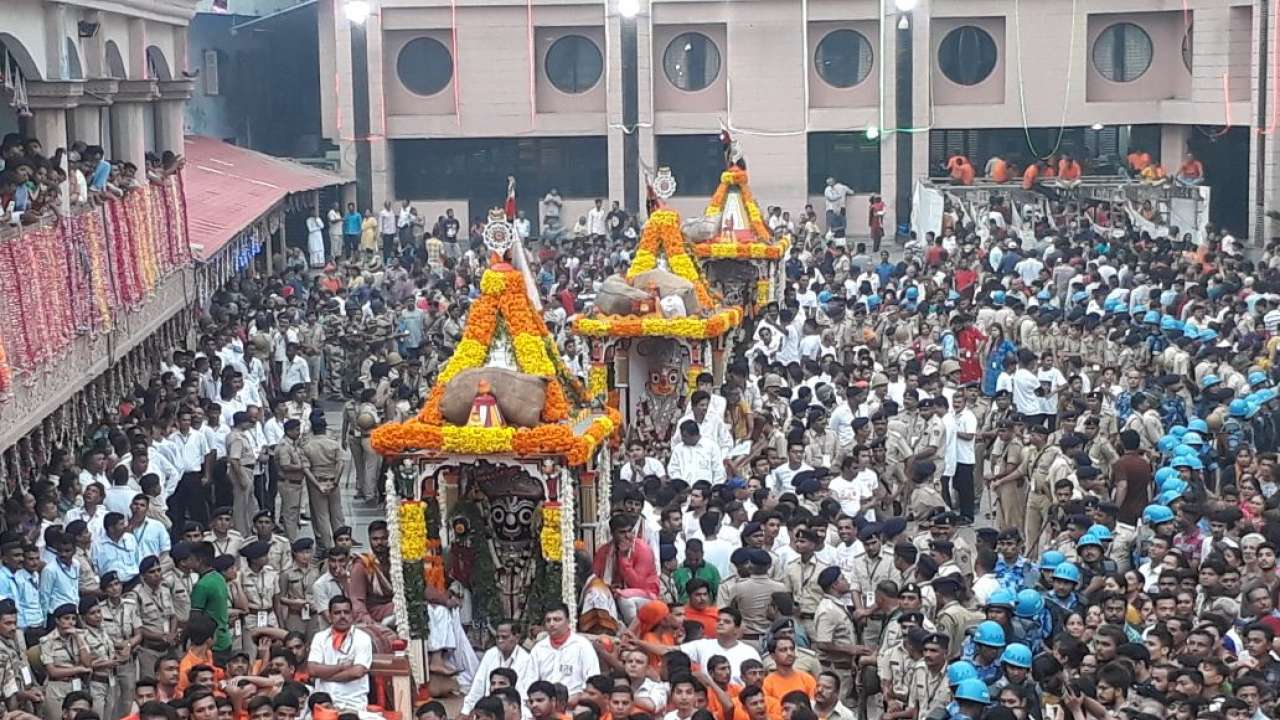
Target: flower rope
{"points": [[401, 604], [568, 561]]}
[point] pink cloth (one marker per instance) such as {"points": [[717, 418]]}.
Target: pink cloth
{"points": [[636, 571]]}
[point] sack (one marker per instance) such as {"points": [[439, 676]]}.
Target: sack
{"points": [[520, 396], [702, 228], [667, 283], [616, 297]]}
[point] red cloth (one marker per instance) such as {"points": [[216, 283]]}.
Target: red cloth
{"points": [[635, 571], [969, 340]]}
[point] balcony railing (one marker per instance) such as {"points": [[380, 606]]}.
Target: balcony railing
{"points": [[80, 273]]}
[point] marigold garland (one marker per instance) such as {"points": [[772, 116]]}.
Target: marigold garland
{"points": [[493, 282], [597, 381], [531, 355], [643, 262], [762, 292], [693, 328], [476, 440], [740, 251], [551, 538], [468, 354], [737, 177], [413, 530]]}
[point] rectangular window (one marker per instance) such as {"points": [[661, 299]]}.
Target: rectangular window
{"points": [[850, 158], [1100, 152], [696, 161], [442, 169]]}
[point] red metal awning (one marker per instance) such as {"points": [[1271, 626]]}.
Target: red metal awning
{"points": [[229, 188]]}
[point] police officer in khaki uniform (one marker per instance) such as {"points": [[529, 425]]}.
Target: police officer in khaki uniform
{"points": [[929, 690], [226, 539], [159, 621], [66, 658], [801, 576], [1042, 465], [258, 583], [105, 659], [953, 619], [894, 661], [264, 531], [293, 476], [1008, 482], [292, 602], [121, 621], [180, 582], [834, 633], [326, 462]]}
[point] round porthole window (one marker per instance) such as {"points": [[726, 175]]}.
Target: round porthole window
{"points": [[691, 61], [1122, 53], [843, 58], [967, 55], [424, 66], [574, 64]]}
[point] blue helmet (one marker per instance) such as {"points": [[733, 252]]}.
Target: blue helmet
{"points": [[1152, 317], [1199, 426], [989, 633], [1193, 439], [1166, 444], [1085, 541], [1168, 323], [1017, 655], [1067, 571], [1051, 559], [1167, 497], [1196, 463], [997, 297], [1002, 598], [1102, 532], [959, 671], [1238, 408], [1178, 431], [1180, 461], [1174, 485], [1156, 514], [973, 690], [1184, 450], [1257, 377], [1209, 381], [1164, 474], [1030, 603]]}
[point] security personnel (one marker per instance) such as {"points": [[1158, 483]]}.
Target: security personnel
{"points": [[801, 576], [258, 582], [1015, 672], [871, 568], [943, 528], [1008, 481], [293, 476], [929, 691], [1043, 465], [102, 682], [181, 580], [293, 603], [16, 679], [121, 621], [953, 619], [264, 531], [66, 658], [226, 539], [893, 662], [834, 633], [984, 648], [159, 622]]}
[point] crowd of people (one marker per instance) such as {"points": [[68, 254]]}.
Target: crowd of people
{"points": [[1009, 477]]}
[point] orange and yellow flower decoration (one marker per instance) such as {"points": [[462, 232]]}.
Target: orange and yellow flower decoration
{"points": [[662, 235], [763, 248], [503, 300]]}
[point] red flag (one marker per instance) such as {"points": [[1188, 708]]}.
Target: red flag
{"points": [[511, 198]]}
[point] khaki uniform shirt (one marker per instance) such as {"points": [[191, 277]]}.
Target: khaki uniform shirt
{"points": [[1005, 456], [180, 585], [324, 454], [259, 591], [15, 668], [121, 622], [229, 545], [290, 458], [801, 579], [833, 624], [752, 596], [101, 645], [295, 584], [88, 574], [928, 690], [955, 620], [1038, 466], [155, 610], [892, 666], [58, 650]]}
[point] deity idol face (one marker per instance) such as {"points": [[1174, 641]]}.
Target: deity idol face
{"points": [[511, 517], [664, 381]]}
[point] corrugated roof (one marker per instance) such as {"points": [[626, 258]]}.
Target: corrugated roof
{"points": [[230, 187]]}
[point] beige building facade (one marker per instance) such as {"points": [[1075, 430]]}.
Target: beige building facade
{"points": [[463, 92]]}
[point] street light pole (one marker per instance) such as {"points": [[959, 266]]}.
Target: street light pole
{"points": [[904, 116], [627, 10], [357, 12]]}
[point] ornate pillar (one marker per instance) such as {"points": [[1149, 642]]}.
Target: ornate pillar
{"points": [[86, 118], [128, 139], [49, 102], [170, 120]]}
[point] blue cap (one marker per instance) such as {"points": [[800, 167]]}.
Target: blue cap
{"points": [[1102, 532], [1156, 514], [1051, 559], [1209, 381], [1199, 426], [1257, 377]]}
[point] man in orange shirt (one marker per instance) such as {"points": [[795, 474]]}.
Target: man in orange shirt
{"points": [[1068, 169], [961, 170], [997, 169], [700, 609], [200, 629], [1139, 160], [1031, 174], [785, 678], [1191, 172]]}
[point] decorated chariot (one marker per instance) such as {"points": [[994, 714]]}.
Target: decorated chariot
{"points": [[487, 480], [654, 330]]}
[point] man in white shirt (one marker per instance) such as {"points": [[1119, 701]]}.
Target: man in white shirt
{"points": [[695, 458], [834, 195], [340, 658], [296, 371], [596, 220], [710, 424], [639, 465], [856, 483], [93, 469], [726, 643], [506, 653], [1026, 385], [1051, 381], [564, 656], [780, 477], [966, 430]]}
